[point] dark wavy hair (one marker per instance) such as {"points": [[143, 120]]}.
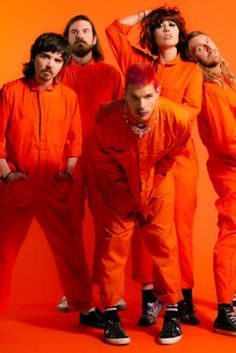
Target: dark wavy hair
{"points": [[47, 42], [97, 49], [154, 20]]}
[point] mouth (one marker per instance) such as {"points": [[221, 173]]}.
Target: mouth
{"points": [[80, 43], [47, 72], [141, 114], [168, 36]]}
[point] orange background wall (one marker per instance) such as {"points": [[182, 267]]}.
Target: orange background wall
{"points": [[35, 277]]}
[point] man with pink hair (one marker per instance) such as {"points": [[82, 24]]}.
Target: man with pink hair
{"points": [[135, 143]]}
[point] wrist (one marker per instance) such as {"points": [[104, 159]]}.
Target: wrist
{"points": [[69, 175], [141, 15], [6, 176]]}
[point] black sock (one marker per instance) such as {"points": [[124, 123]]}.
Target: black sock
{"points": [[171, 311], [224, 305], [187, 294], [110, 313], [148, 296]]}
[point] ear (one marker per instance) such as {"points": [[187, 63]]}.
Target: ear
{"points": [[158, 90]]}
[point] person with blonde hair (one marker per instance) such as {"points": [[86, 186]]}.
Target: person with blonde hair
{"points": [[217, 129]]}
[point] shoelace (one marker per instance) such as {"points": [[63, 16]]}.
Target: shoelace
{"points": [[231, 316], [115, 329], [151, 310], [171, 326]]}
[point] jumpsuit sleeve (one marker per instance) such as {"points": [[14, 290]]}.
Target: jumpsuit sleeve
{"points": [[125, 54], [106, 164], [110, 174], [192, 98], [118, 90], [181, 133], [4, 114], [220, 116], [74, 137]]}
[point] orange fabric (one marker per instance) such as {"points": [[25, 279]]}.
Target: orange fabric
{"points": [[181, 82], [38, 129], [217, 128], [37, 117], [136, 186], [95, 83]]}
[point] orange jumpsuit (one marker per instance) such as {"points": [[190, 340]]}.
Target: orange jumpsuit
{"points": [[181, 82], [95, 83], [217, 128], [137, 187], [38, 130]]}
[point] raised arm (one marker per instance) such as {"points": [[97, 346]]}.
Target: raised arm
{"points": [[125, 53]]}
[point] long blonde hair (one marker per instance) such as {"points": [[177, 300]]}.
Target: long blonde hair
{"points": [[208, 75]]}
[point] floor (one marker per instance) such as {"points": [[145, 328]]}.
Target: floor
{"points": [[39, 328]]}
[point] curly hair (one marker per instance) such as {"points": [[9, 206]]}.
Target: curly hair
{"points": [[47, 42], [154, 20]]}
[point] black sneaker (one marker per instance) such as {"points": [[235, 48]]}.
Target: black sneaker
{"points": [[94, 318], [226, 320], [234, 301], [187, 314], [150, 313], [114, 333], [171, 331]]}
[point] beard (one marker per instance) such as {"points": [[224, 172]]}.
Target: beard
{"points": [[80, 48], [209, 64]]}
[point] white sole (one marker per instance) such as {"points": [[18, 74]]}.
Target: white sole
{"points": [[224, 332], [171, 340], [118, 341]]}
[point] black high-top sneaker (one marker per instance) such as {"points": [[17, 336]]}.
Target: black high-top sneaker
{"points": [[113, 332], [225, 322]]}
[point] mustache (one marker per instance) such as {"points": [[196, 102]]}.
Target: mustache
{"points": [[47, 70], [79, 41]]}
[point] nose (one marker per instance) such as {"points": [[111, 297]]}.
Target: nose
{"points": [[50, 62], [208, 49], [141, 103], [165, 28]]}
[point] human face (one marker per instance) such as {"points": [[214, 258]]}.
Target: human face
{"points": [[81, 37], [204, 50], [166, 35], [141, 100], [47, 66]]}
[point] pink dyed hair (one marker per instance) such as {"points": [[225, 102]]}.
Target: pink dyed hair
{"points": [[141, 75]]}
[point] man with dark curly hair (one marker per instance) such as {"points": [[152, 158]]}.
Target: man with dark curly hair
{"points": [[40, 144]]}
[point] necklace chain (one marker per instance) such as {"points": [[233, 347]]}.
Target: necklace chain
{"points": [[141, 130]]}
